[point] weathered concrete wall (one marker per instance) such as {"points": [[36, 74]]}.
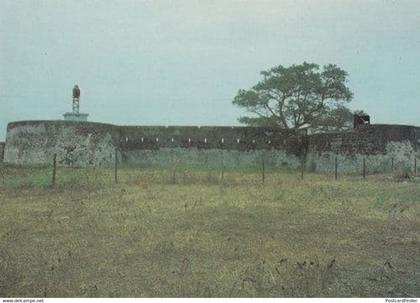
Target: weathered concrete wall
{"points": [[380, 145], [207, 137], [2, 146], [76, 144], [212, 157], [234, 146], [85, 143]]}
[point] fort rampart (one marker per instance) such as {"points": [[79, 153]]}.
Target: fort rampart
{"points": [[95, 144], [382, 146], [2, 145]]}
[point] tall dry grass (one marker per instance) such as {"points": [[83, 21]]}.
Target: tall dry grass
{"points": [[197, 235]]}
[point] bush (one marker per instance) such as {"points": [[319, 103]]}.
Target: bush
{"points": [[403, 172]]}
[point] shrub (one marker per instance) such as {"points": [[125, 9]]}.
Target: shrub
{"points": [[403, 172]]}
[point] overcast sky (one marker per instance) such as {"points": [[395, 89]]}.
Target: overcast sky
{"points": [[182, 62]]}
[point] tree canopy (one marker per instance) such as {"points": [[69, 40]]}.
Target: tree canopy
{"points": [[299, 96]]}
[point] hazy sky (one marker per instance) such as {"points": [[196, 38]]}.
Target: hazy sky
{"points": [[182, 62]]}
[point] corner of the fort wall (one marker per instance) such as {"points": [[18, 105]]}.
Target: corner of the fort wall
{"points": [[381, 147], [2, 145], [74, 143]]}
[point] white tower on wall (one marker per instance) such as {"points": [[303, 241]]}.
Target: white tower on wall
{"points": [[75, 115]]}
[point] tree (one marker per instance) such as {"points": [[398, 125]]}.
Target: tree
{"points": [[299, 96]]}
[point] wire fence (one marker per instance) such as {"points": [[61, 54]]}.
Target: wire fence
{"points": [[177, 172], [363, 167]]}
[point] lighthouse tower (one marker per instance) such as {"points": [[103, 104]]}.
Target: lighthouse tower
{"points": [[76, 115]]}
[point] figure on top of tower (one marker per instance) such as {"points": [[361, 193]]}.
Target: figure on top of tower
{"points": [[76, 92]]}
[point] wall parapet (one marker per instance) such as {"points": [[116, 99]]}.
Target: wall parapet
{"points": [[210, 137], [368, 140]]}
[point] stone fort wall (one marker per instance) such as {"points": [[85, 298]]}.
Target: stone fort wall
{"points": [[382, 146], [94, 144], [2, 145]]}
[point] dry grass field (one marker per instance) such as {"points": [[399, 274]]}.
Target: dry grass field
{"points": [[187, 233]]}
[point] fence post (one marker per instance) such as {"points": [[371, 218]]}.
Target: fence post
{"points": [[174, 173], [222, 176], [336, 169], [302, 167], [54, 168], [392, 164], [263, 169], [116, 166], [415, 166], [364, 168]]}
